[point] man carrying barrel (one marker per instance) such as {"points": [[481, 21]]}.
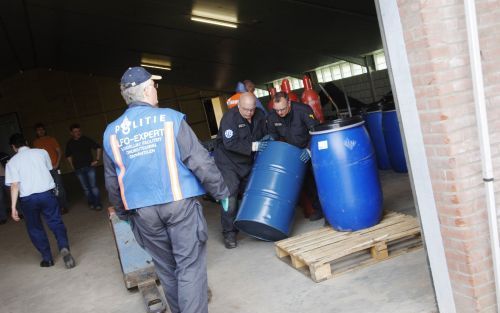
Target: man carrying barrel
{"points": [[241, 131], [291, 122]]}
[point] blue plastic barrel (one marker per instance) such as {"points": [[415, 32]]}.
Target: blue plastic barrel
{"points": [[374, 125], [346, 174], [393, 141], [268, 206]]}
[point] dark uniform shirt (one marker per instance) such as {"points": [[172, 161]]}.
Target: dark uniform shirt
{"points": [[81, 151], [294, 127], [234, 141]]}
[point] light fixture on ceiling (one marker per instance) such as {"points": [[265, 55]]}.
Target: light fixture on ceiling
{"points": [[156, 61], [213, 21], [160, 67]]}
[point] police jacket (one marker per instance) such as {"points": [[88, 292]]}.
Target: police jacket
{"points": [[234, 140], [153, 157], [294, 127]]}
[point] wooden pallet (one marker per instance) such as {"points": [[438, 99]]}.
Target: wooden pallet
{"points": [[326, 253]]}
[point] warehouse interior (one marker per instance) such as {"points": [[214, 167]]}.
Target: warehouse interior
{"points": [[61, 62]]}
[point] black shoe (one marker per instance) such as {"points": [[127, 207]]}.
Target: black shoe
{"points": [[46, 263], [69, 262], [98, 208], [230, 241], [3, 222], [316, 215]]}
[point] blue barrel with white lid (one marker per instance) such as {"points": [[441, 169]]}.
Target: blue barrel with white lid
{"points": [[345, 170]]}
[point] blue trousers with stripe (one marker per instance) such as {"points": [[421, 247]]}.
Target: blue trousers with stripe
{"points": [[36, 206]]}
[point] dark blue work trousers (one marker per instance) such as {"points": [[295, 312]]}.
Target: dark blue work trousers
{"points": [[175, 235], [34, 207]]}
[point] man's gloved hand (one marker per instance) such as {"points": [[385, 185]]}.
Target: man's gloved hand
{"points": [[259, 145], [267, 138], [305, 155], [225, 203]]}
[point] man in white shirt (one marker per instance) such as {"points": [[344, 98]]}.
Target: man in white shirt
{"points": [[28, 175]]}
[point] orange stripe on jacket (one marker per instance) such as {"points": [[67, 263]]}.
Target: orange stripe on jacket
{"points": [[118, 158], [172, 161]]}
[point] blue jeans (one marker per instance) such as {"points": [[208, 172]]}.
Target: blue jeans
{"points": [[3, 202], [34, 207], [86, 175]]}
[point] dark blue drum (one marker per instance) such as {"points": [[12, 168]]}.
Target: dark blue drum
{"points": [[268, 206]]}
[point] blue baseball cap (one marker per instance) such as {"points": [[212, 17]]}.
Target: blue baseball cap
{"points": [[134, 76]]}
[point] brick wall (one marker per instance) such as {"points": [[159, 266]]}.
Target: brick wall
{"points": [[436, 42], [59, 99]]}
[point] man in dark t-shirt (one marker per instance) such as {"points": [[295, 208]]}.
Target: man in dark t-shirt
{"points": [[79, 154]]}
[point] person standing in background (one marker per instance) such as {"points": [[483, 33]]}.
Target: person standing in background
{"points": [[241, 88], [79, 155], [50, 144], [250, 87]]}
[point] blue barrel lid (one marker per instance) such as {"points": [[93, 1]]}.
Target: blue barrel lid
{"points": [[338, 124]]}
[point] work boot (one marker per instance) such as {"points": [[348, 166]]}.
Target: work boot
{"points": [[316, 215], [45, 263], [69, 262], [230, 240]]}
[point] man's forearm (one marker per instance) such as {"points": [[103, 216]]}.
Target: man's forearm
{"points": [[14, 193], [59, 157], [70, 161]]}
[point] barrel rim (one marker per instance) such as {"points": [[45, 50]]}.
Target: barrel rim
{"points": [[286, 143], [326, 131]]}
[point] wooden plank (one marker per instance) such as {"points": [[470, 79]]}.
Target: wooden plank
{"points": [[372, 261], [335, 250], [326, 231], [300, 238], [333, 237], [332, 254]]}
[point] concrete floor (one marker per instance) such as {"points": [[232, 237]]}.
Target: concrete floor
{"points": [[247, 279]]}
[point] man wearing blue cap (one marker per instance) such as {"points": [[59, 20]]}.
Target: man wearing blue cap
{"points": [[154, 167]]}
